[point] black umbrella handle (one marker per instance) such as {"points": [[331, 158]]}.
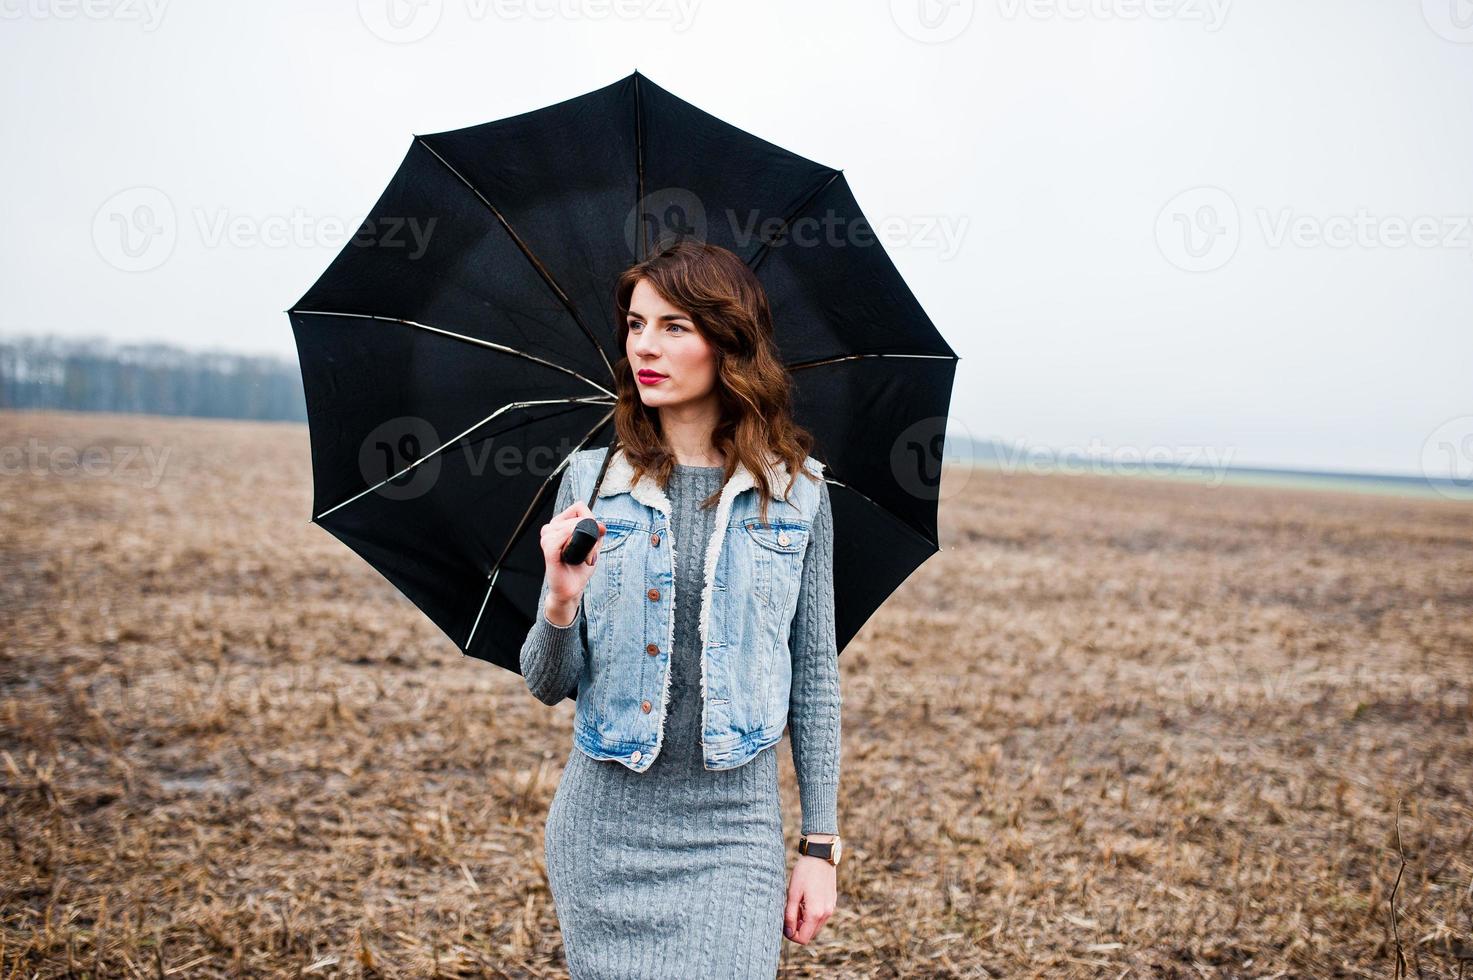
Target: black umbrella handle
{"points": [[585, 534]]}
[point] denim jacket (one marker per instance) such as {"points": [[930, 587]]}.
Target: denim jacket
{"points": [[753, 570]]}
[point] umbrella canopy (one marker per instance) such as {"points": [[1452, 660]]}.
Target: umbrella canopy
{"points": [[459, 349]]}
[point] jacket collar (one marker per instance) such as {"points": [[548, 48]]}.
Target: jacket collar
{"points": [[619, 478]]}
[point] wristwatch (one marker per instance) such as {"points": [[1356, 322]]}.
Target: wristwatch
{"points": [[830, 851]]}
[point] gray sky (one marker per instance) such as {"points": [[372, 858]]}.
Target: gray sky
{"points": [[1230, 229]]}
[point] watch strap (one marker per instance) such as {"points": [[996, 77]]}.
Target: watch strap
{"points": [[814, 848]]}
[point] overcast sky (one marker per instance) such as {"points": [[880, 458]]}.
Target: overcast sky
{"points": [[1203, 226]]}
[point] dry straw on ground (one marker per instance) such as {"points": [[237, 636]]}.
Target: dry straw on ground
{"points": [[1117, 728]]}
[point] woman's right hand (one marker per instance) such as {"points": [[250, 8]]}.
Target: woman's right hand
{"points": [[565, 583]]}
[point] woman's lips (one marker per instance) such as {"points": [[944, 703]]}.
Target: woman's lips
{"points": [[650, 377]]}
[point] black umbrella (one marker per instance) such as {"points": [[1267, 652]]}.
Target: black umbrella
{"points": [[459, 349]]}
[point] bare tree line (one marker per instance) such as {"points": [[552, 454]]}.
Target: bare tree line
{"points": [[98, 375]]}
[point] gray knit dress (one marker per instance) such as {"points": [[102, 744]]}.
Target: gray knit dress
{"points": [[681, 871]]}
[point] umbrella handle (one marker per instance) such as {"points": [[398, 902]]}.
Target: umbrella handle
{"points": [[585, 534]]}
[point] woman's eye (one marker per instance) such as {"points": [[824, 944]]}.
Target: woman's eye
{"points": [[677, 326]]}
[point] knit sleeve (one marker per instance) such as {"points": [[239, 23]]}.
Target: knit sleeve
{"points": [[814, 704], [552, 656]]}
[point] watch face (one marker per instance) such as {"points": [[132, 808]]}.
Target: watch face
{"points": [[838, 848]]}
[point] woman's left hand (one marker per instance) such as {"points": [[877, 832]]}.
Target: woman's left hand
{"points": [[812, 894]]}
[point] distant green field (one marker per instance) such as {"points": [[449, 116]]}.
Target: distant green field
{"points": [[1400, 486], [1351, 482]]}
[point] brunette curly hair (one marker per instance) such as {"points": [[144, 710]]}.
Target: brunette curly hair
{"points": [[730, 310]]}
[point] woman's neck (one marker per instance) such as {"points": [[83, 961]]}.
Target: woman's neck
{"points": [[687, 433], [708, 459]]}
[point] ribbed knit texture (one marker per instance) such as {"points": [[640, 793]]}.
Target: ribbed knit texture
{"points": [[680, 871]]}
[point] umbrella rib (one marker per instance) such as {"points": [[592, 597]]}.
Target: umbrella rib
{"points": [[851, 357], [542, 270], [586, 400], [639, 166], [469, 340], [756, 260], [522, 524], [839, 483]]}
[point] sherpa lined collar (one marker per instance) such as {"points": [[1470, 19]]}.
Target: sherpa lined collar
{"points": [[621, 472], [617, 479]]}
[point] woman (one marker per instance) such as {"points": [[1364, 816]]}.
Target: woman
{"points": [[664, 841]]}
